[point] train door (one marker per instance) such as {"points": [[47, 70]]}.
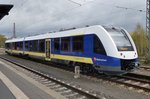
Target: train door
{"points": [[48, 48]]}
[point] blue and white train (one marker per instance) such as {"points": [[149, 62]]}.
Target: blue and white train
{"points": [[102, 48]]}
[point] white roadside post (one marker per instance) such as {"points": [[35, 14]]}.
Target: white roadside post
{"points": [[77, 72]]}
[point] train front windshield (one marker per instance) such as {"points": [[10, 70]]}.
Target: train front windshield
{"points": [[121, 39]]}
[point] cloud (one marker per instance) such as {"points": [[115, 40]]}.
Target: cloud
{"points": [[41, 16]]}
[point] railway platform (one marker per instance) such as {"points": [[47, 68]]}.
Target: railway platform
{"points": [[5, 93]]}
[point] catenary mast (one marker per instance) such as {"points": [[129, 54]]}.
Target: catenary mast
{"points": [[148, 24]]}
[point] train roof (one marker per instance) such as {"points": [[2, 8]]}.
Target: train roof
{"points": [[15, 40], [4, 9], [74, 32]]}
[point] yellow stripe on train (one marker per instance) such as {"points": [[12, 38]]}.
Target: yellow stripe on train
{"points": [[35, 54], [72, 58], [16, 51], [62, 57], [56, 56]]}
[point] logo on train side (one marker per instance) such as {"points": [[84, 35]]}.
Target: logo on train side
{"points": [[98, 59]]}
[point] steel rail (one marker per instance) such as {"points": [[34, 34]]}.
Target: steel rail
{"points": [[130, 76], [131, 85], [118, 79], [79, 90], [145, 67]]}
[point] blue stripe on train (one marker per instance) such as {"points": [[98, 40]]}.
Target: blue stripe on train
{"points": [[106, 61], [97, 59]]}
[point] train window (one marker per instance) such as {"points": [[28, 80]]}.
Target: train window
{"points": [[21, 45], [56, 44], [78, 44], [17, 45], [13, 45], [121, 39], [30, 45], [98, 46], [41, 45], [65, 44], [26, 45], [7, 45], [35, 45]]}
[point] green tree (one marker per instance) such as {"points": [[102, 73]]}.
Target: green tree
{"points": [[2, 41], [140, 39]]}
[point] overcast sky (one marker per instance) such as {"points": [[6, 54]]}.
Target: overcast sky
{"points": [[41, 16]]}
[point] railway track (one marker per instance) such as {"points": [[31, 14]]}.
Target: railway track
{"points": [[66, 89], [130, 80], [133, 80], [145, 68], [137, 81]]}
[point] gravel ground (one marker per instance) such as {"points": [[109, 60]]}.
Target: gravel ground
{"points": [[142, 72], [99, 86]]}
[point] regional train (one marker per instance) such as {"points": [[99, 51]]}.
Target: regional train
{"points": [[106, 49]]}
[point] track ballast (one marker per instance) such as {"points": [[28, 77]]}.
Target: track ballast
{"points": [[81, 93], [137, 81]]}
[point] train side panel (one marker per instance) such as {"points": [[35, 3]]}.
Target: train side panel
{"points": [[94, 46]]}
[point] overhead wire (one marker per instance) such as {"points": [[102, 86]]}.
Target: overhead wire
{"points": [[75, 2], [65, 11], [121, 7], [89, 2], [79, 6], [126, 8]]}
